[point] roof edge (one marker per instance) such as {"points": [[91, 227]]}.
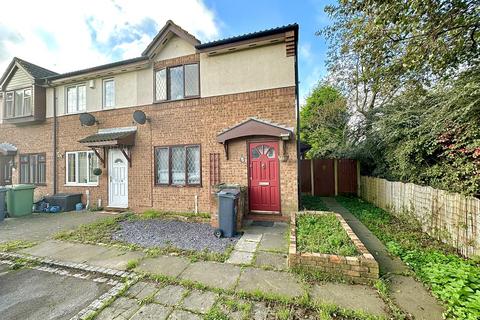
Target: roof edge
{"points": [[248, 36]]}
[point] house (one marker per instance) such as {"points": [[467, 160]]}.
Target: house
{"points": [[160, 130]]}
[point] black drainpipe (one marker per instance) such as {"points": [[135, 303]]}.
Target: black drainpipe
{"points": [[54, 140], [299, 192]]}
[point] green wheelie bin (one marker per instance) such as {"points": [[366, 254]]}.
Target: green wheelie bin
{"points": [[20, 200]]}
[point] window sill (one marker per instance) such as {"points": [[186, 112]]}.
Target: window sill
{"points": [[178, 186], [80, 185], [75, 112], [176, 100]]}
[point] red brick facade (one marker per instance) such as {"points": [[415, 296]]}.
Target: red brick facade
{"points": [[194, 121]]}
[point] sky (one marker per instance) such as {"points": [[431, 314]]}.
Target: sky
{"points": [[69, 35]]}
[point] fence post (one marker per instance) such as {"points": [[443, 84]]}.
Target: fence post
{"points": [[312, 176], [358, 178], [335, 175]]}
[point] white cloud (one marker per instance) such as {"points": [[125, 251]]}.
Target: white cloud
{"points": [[305, 51], [69, 35]]}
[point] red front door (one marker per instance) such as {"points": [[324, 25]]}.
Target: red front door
{"points": [[264, 186]]}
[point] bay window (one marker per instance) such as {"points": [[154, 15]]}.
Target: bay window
{"points": [[80, 166], [179, 82], [178, 165], [18, 103]]}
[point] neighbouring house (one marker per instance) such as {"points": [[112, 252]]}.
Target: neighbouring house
{"points": [[205, 113]]}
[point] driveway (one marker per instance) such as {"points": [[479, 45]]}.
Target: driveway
{"points": [[42, 226], [35, 294]]}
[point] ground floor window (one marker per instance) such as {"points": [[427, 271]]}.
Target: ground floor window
{"points": [[33, 168], [178, 165], [80, 166]]}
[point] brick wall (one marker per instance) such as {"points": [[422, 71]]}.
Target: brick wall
{"points": [[358, 269], [195, 121], [34, 138]]}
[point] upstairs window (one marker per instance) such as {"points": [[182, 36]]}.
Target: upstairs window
{"points": [[33, 168], [108, 93], [18, 103], [76, 98], [177, 83]]}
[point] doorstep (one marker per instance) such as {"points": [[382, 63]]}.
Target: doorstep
{"points": [[275, 217]]}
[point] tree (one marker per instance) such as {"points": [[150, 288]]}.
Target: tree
{"points": [[323, 122], [377, 47]]}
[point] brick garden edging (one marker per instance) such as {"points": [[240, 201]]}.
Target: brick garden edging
{"points": [[359, 269]]}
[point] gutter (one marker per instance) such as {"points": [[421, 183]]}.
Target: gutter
{"points": [[54, 140], [55, 125], [299, 191]]}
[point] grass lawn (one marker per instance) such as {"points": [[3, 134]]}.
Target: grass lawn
{"points": [[453, 279], [323, 233]]}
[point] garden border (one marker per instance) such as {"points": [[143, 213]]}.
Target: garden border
{"points": [[359, 269]]}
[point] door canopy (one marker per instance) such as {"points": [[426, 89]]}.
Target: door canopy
{"points": [[255, 127], [7, 149]]}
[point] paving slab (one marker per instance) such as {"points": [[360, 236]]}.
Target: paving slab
{"points": [[141, 290], [64, 251], [166, 265], [277, 261], [199, 301], [152, 311], [412, 297], [212, 274], [240, 257], [170, 295], [115, 259], [122, 308], [273, 242], [260, 311], [247, 236], [354, 297], [276, 282], [48, 248], [246, 246], [183, 315]]}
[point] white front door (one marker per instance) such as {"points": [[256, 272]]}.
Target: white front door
{"points": [[118, 179]]}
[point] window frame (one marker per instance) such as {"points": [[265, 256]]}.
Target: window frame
{"points": [[13, 100], [167, 80], [170, 184], [104, 95], [44, 162], [67, 171], [76, 86]]}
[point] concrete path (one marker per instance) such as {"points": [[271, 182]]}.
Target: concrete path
{"points": [[42, 226], [410, 295], [262, 244]]}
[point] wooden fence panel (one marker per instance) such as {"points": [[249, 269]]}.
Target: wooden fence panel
{"points": [[329, 177], [323, 177], [306, 176], [347, 176], [449, 217]]}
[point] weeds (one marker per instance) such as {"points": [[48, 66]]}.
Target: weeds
{"points": [[16, 245], [453, 279]]}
